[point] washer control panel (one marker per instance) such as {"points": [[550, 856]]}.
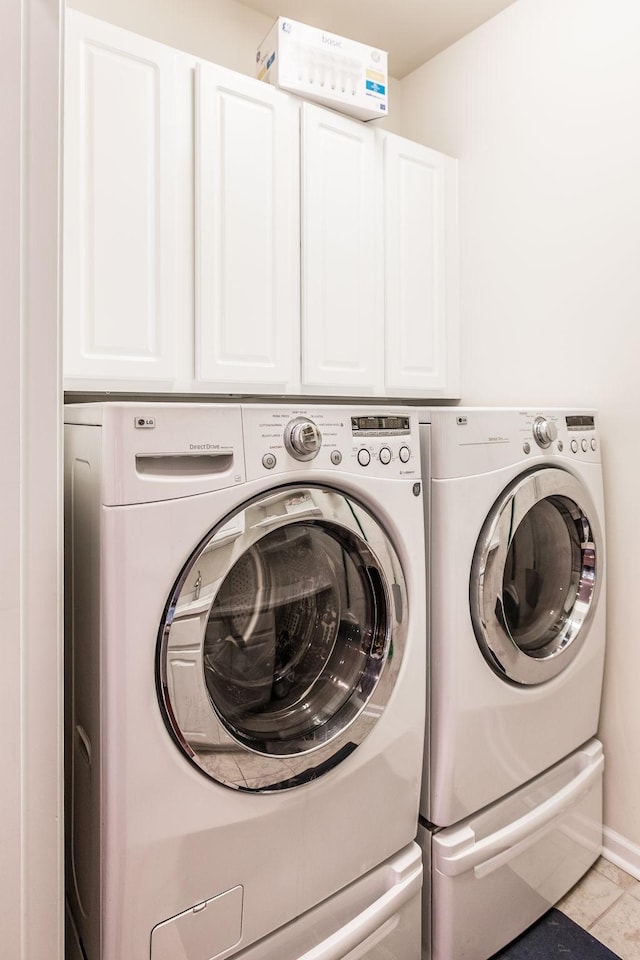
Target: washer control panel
{"points": [[379, 443]]}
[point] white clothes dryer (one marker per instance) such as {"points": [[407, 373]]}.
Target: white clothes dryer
{"points": [[245, 680], [517, 626]]}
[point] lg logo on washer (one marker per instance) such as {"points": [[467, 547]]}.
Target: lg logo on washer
{"points": [[145, 423]]}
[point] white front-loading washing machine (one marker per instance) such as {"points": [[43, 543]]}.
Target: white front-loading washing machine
{"points": [[512, 780], [245, 632]]}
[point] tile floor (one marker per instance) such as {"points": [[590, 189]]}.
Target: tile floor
{"points": [[606, 902]]}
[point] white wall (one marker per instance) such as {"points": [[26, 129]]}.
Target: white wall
{"points": [[30, 489], [542, 106]]}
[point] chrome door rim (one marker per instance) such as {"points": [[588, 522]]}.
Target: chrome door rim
{"points": [[487, 603], [254, 769]]}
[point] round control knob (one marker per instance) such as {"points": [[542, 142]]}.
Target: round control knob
{"points": [[364, 457], [385, 455], [544, 431], [404, 453], [302, 438]]}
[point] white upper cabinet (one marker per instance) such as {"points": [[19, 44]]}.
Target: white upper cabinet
{"points": [[379, 262], [420, 269], [342, 331], [222, 236], [247, 305], [120, 300]]}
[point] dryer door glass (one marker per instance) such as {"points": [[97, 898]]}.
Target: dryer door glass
{"points": [[535, 577], [282, 639]]}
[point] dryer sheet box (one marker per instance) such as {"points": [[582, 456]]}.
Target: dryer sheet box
{"points": [[343, 74]]}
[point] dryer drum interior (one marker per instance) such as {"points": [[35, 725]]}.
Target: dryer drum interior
{"points": [[283, 624], [534, 580]]}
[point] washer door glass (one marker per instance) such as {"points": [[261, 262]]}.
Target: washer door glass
{"points": [[534, 580], [282, 639]]}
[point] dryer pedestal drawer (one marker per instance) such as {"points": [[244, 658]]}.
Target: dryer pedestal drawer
{"points": [[496, 872]]}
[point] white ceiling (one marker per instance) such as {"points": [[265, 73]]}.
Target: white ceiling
{"points": [[412, 31]]}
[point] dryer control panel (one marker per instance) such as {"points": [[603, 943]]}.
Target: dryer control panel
{"points": [[472, 440], [568, 434], [368, 442]]}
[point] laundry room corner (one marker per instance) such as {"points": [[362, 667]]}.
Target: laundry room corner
{"points": [[319, 502]]}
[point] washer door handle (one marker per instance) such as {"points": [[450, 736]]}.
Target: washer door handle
{"points": [[85, 743]]}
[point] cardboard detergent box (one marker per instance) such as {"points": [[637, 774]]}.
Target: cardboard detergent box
{"points": [[340, 73]]}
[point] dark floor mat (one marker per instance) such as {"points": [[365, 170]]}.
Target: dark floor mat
{"points": [[556, 935]]}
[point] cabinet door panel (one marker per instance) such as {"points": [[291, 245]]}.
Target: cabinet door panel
{"points": [[341, 303], [420, 252], [119, 242], [247, 231]]}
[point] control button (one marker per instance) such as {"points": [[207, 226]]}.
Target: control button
{"points": [[584, 445], [526, 446], [302, 438], [364, 458], [268, 461], [560, 446], [594, 444], [574, 446], [385, 455], [336, 457], [544, 432], [404, 453]]}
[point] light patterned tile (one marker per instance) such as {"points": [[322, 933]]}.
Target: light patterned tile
{"points": [[619, 928], [590, 898], [622, 879]]}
